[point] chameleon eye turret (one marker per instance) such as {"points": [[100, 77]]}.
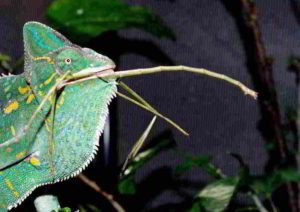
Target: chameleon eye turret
{"points": [[68, 61], [82, 60]]}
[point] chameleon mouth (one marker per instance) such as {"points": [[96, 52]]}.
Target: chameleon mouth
{"points": [[87, 74]]}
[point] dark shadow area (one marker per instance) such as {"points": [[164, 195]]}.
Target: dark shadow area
{"points": [[267, 94], [295, 8], [112, 45]]}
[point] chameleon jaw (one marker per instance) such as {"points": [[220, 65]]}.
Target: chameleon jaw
{"points": [[86, 74]]}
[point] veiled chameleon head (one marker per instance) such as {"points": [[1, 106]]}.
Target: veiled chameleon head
{"points": [[81, 60], [48, 52]]}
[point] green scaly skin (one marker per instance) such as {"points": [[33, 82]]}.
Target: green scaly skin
{"points": [[50, 150]]}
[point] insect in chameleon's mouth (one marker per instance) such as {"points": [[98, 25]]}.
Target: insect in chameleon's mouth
{"points": [[87, 74], [93, 71]]}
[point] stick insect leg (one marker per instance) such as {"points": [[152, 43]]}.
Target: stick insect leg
{"points": [[139, 144], [139, 101], [51, 120]]}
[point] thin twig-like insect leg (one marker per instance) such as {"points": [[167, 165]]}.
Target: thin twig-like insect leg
{"points": [[139, 101], [138, 145], [51, 130], [135, 95]]}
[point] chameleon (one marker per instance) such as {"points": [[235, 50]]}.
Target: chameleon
{"points": [[50, 133]]}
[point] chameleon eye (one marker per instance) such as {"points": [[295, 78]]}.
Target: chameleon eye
{"points": [[68, 61]]}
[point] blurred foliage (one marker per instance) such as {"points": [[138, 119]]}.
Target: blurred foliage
{"points": [[268, 183], [65, 210], [215, 196], [87, 19], [203, 162], [127, 182], [5, 61]]}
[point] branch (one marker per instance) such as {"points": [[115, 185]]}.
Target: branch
{"points": [[258, 203], [261, 70], [96, 188]]}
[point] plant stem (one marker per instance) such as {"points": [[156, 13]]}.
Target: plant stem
{"points": [[261, 70], [258, 203], [95, 187], [274, 209]]}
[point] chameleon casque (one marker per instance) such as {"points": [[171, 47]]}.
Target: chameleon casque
{"points": [[33, 150]]}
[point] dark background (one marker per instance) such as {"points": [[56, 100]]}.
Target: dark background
{"points": [[217, 115]]}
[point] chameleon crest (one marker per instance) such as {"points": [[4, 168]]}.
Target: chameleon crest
{"points": [[49, 134]]}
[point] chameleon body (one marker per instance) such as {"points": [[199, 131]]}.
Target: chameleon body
{"points": [[63, 136]]}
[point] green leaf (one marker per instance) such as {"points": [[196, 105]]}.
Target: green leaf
{"points": [[217, 195], [267, 184], [4, 57], [196, 207], [90, 18], [65, 210], [127, 183], [5, 61], [203, 162], [244, 171], [143, 157]]}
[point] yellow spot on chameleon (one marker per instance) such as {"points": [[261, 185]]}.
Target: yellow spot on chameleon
{"points": [[49, 79], [30, 98], [20, 155], [13, 131], [11, 187], [51, 99], [16, 193], [35, 161], [9, 184], [61, 101], [24, 90], [47, 121], [14, 105], [49, 59], [41, 93]]}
